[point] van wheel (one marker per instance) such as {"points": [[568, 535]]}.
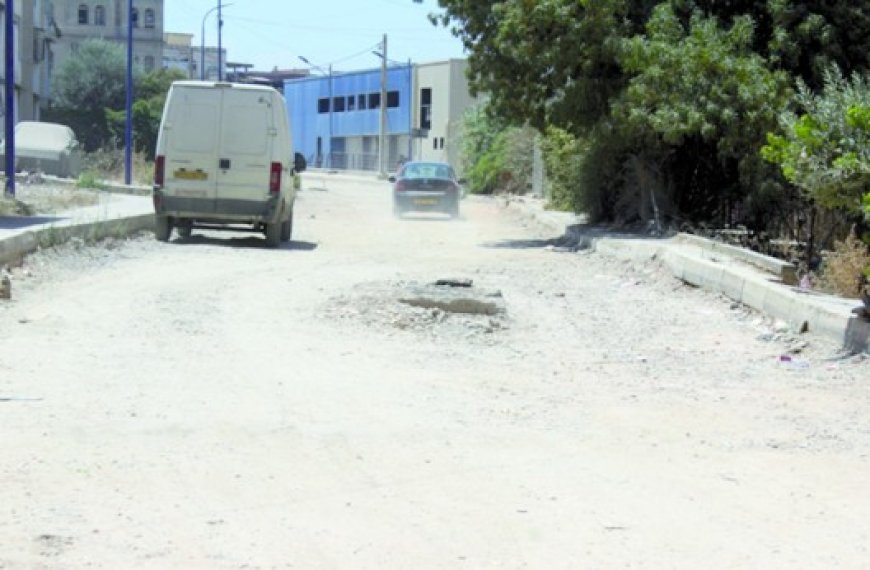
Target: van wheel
{"points": [[185, 229], [162, 227], [273, 234], [287, 227]]}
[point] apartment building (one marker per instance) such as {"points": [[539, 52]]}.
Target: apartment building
{"points": [[80, 20], [35, 36]]}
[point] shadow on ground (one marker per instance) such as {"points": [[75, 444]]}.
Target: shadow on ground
{"points": [[576, 237], [245, 243], [18, 222]]}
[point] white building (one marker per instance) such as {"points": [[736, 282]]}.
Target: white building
{"points": [[80, 20], [441, 99], [35, 37]]}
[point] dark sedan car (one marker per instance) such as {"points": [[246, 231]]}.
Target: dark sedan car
{"points": [[426, 187]]}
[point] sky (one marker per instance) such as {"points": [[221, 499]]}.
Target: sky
{"points": [[343, 33]]}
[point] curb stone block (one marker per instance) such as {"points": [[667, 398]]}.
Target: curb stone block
{"points": [[18, 246]]}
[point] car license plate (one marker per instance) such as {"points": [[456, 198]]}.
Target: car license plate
{"points": [[191, 175], [424, 202]]}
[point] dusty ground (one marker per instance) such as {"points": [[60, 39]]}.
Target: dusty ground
{"points": [[43, 197], [216, 404]]}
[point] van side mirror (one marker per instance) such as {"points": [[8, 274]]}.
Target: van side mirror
{"points": [[299, 162]]}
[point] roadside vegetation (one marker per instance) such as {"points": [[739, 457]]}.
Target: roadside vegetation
{"points": [[681, 114], [90, 97]]}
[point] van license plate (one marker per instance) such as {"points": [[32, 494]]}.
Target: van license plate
{"points": [[191, 175], [424, 202]]}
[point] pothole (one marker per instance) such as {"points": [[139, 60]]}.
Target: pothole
{"points": [[445, 308]]}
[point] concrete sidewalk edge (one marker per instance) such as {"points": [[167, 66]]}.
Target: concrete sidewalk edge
{"points": [[828, 316], [15, 248]]}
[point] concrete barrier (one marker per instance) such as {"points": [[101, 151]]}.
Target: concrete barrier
{"points": [[15, 248], [784, 270]]}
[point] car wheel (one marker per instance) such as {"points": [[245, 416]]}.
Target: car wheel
{"points": [[287, 227], [273, 234], [185, 229], [162, 227], [454, 209]]}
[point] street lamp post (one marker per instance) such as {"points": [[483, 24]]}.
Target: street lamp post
{"points": [[220, 24], [128, 127], [202, 41], [382, 139], [9, 15], [331, 104]]}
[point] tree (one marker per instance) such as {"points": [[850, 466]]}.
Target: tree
{"points": [[825, 149], [701, 102], [90, 81], [150, 92], [550, 62]]}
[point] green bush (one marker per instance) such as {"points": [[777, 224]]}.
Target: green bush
{"points": [[88, 179], [495, 157]]}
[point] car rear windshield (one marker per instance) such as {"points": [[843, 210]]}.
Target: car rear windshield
{"points": [[427, 171]]}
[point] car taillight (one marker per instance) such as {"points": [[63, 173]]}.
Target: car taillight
{"points": [[401, 185], [275, 178], [159, 170]]}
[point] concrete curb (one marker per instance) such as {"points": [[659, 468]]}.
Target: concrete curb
{"points": [[826, 315], [15, 248], [786, 271]]}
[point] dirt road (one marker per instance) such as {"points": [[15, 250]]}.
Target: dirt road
{"points": [[216, 404]]}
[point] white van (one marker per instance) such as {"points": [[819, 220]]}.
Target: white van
{"points": [[224, 160]]}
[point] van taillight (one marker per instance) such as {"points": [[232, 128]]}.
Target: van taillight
{"points": [[275, 178], [401, 185], [159, 169]]}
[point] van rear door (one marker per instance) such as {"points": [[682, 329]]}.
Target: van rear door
{"points": [[245, 150], [193, 126]]}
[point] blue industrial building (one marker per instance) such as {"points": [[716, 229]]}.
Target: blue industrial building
{"points": [[336, 118]]}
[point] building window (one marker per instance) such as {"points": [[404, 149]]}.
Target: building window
{"points": [[338, 104], [374, 100], [83, 14], [426, 108], [362, 102], [149, 63], [435, 143], [323, 105], [135, 17], [149, 18], [99, 16], [351, 103], [393, 99]]}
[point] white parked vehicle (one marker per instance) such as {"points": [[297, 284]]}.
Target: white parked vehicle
{"points": [[49, 148], [224, 160]]}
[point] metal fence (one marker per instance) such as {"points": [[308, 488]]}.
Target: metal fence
{"points": [[352, 161]]}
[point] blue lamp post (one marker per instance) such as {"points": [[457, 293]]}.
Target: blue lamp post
{"points": [[10, 97], [128, 128]]}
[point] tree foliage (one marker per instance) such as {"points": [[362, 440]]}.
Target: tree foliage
{"points": [[825, 149], [495, 157], [90, 97], [150, 91], [670, 100]]}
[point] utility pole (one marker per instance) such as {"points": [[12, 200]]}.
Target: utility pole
{"points": [[331, 108], [410, 110], [9, 27], [220, 25], [128, 127], [382, 159]]}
